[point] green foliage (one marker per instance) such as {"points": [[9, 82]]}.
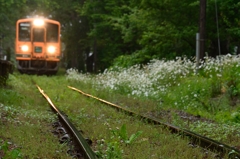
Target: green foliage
{"points": [[235, 117], [148, 28], [112, 151], [232, 154], [2, 81], [225, 131], [10, 154], [232, 80], [216, 86], [11, 10], [10, 97], [124, 61], [193, 91], [113, 146], [123, 135]]}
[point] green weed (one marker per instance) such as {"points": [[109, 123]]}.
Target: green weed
{"points": [[123, 135], [10, 154]]}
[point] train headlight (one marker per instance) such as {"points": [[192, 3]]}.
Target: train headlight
{"points": [[24, 48], [38, 22], [51, 49]]}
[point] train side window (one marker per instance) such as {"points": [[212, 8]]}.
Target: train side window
{"points": [[52, 32], [24, 31]]}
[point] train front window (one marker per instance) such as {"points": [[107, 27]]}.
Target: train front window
{"points": [[24, 31], [38, 35], [52, 32]]}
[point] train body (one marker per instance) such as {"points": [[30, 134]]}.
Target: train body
{"points": [[38, 45]]}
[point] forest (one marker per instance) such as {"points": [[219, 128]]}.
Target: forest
{"points": [[98, 34]]}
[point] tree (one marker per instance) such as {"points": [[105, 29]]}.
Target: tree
{"points": [[161, 29], [229, 31], [106, 39], [8, 18]]}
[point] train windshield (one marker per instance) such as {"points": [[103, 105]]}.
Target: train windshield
{"points": [[38, 35], [24, 31], [52, 32]]}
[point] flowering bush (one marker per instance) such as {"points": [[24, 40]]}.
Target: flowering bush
{"points": [[177, 82], [147, 80]]}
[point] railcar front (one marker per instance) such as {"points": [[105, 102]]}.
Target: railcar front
{"points": [[37, 46]]}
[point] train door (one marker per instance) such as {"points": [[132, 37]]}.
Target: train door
{"points": [[38, 41]]}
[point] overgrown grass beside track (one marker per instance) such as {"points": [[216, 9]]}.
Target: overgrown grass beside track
{"points": [[207, 103]]}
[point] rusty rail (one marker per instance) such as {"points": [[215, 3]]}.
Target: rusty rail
{"points": [[80, 142]]}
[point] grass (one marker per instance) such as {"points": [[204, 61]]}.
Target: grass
{"points": [[206, 103]]}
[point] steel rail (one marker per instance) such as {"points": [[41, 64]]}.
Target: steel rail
{"points": [[80, 141], [197, 139]]}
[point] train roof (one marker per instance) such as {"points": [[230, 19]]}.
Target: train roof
{"points": [[32, 19]]}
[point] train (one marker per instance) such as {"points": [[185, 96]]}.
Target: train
{"points": [[38, 46]]}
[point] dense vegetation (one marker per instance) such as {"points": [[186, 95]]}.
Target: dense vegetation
{"points": [[99, 34]]}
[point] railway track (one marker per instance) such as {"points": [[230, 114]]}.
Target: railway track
{"points": [[67, 132], [206, 143]]}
